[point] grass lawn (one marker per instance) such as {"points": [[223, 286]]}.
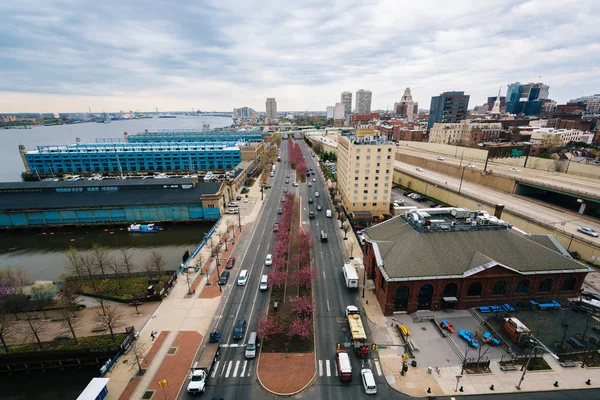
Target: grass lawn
{"points": [[123, 288]]}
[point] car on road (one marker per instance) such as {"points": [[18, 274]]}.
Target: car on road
{"points": [[419, 169], [223, 278], [245, 199], [399, 202], [279, 211], [472, 166], [230, 263], [276, 227], [311, 215], [440, 158], [269, 259], [295, 184], [587, 231], [514, 169], [316, 194], [288, 176], [309, 184], [232, 211], [239, 330], [319, 208], [282, 199], [368, 381], [285, 190], [287, 181], [233, 204], [310, 200], [314, 179]]}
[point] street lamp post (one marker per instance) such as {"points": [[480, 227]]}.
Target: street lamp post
{"points": [[364, 280], [529, 359]]}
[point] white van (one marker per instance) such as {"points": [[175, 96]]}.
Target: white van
{"points": [[242, 277], [251, 346], [328, 213], [316, 194], [368, 381], [264, 285]]}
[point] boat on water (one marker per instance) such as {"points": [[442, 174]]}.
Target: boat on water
{"points": [[167, 116], [144, 228]]}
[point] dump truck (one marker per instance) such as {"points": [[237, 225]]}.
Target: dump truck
{"points": [[357, 330], [203, 367]]}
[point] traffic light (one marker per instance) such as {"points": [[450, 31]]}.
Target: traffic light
{"points": [[404, 357], [373, 347], [339, 346]]}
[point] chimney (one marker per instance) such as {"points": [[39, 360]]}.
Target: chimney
{"points": [[498, 211]]}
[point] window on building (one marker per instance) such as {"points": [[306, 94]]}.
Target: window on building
{"points": [[356, 192], [545, 285], [368, 157], [379, 150], [376, 171], [366, 185], [387, 171], [356, 185], [385, 191], [356, 172], [376, 184], [375, 191], [499, 287], [389, 150], [367, 171], [374, 204], [356, 178], [368, 150], [568, 284], [378, 164], [389, 157], [365, 191], [474, 289], [364, 204], [358, 157], [367, 178]]}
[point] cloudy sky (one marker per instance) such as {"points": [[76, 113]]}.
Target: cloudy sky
{"points": [[63, 56]]}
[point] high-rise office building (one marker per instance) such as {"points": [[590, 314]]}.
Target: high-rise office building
{"points": [[347, 102], [526, 98], [271, 108], [245, 112], [330, 110], [363, 101], [407, 108], [448, 107]]}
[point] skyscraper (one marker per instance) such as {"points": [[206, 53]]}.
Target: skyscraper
{"points": [[271, 108], [526, 98], [363, 101], [407, 107], [347, 102], [330, 110], [448, 107]]}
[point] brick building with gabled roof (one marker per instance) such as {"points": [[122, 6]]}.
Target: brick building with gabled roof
{"points": [[432, 259]]}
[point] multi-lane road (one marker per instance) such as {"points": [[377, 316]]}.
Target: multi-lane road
{"points": [[235, 377]]}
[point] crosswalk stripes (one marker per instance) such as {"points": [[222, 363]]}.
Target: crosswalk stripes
{"points": [[228, 369], [215, 369], [326, 367]]}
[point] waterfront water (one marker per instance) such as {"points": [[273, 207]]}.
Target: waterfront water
{"points": [[11, 165], [42, 253]]}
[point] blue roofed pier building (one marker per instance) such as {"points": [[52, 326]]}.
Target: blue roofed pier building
{"points": [[131, 157], [192, 135], [109, 202]]}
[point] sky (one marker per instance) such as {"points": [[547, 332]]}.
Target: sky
{"points": [[66, 56]]}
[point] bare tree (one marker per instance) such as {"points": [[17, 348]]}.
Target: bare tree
{"points": [[352, 244], [74, 263], [43, 292], [68, 298], [33, 329], [127, 261], [7, 329], [117, 268], [341, 216], [215, 249], [101, 257], [139, 350], [345, 227], [157, 262], [111, 318], [89, 264]]}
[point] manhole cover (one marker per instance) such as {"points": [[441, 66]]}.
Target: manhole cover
{"points": [[423, 328], [148, 395], [172, 351]]}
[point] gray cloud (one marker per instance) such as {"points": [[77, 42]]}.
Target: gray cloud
{"points": [[219, 54]]}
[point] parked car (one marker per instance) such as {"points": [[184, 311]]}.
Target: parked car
{"points": [[285, 190], [419, 169], [232, 211], [276, 227], [587, 231], [282, 199], [223, 278], [230, 263], [399, 202], [440, 158], [269, 259], [279, 211], [233, 204], [245, 200], [295, 184], [238, 198], [309, 184], [472, 166], [514, 169], [239, 330]]}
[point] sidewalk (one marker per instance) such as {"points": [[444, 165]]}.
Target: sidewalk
{"points": [[418, 380], [181, 321]]}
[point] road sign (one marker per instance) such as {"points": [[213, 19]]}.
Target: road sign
{"points": [[381, 346]]}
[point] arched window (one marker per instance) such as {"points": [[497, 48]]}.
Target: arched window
{"points": [[499, 287], [450, 290], [568, 284], [523, 286], [474, 289], [545, 285]]}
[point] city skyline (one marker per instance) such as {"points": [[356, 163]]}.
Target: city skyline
{"points": [[66, 58]]}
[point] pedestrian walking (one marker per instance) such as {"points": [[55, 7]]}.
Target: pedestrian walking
{"points": [[153, 335]]}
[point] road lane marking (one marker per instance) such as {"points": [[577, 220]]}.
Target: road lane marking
{"points": [[234, 345], [235, 370], [336, 372], [378, 367], [224, 366], [243, 368], [320, 367], [228, 369], [323, 274], [215, 369], [328, 368]]}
